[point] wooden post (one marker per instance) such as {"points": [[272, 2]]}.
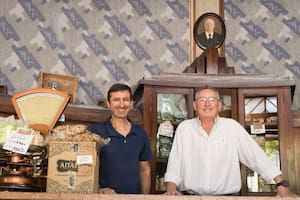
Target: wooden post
{"points": [[212, 61]]}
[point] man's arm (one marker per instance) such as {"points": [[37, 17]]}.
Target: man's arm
{"points": [[145, 173]]}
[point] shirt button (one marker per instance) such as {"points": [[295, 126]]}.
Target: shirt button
{"points": [[125, 141]]}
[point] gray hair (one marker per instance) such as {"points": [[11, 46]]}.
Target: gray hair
{"points": [[198, 90]]}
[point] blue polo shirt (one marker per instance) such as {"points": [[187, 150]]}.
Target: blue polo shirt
{"points": [[119, 159]]}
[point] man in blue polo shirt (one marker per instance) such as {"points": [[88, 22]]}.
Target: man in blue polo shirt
{"points": [[124, 161]]}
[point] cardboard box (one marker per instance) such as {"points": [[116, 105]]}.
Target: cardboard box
{"points": [[73, 167], [65, 83]]}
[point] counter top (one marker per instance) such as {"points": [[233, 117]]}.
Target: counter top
{"points": [[48, 196]]}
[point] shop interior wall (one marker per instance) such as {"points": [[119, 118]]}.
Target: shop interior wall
{"points": [[100, 42], [103, 42]]}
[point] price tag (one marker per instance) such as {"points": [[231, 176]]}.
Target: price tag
{"points": [[18, 142], [84, 159], [257, 128]]}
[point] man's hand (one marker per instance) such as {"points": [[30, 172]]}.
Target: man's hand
{"points": [[107, 191], [175, 192], [172, 189], [285, 192]]}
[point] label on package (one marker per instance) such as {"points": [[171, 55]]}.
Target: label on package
{"points": [[84, 159], [18, 142]]}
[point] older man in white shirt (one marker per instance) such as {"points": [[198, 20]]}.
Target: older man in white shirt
{"points": [[207, 151]]}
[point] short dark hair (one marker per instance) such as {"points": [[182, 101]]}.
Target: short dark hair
{"points": [[118, 87]]}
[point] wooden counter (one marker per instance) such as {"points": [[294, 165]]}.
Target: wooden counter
{"points": [[41, 196]]}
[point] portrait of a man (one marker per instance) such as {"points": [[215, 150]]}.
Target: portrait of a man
{"points": [[209, 31], [209, 38]]}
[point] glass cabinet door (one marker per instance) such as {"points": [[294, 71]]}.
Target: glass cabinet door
{"points": [[261, 123], [172, 107], [260, 119]]}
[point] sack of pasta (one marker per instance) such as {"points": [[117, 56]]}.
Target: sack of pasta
{"points": [[75, 133]]}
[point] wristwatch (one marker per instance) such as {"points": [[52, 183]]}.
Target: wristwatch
{"points": [[283, 183]]}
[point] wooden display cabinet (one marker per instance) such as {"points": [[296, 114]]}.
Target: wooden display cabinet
{"points": [[234, 90]]}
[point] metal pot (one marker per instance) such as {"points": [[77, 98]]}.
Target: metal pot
{"points": [[16, 158], [17, 170], [14, 179]]}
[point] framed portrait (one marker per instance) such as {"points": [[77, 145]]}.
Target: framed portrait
{"points": [[209, 31]]}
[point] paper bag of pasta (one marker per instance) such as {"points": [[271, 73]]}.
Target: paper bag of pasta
{"points": [[75, 133]]}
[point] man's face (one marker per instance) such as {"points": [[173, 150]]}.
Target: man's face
{"points": [[209, 25], [120, 103], [207, 104]]}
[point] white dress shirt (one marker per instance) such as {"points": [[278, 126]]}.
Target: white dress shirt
{"points": [[209, 35], [210, 164]]}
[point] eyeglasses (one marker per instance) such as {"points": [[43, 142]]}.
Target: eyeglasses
{"points": [[209, 99]]}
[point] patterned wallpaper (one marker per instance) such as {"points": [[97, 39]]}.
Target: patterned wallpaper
{"points": [[263, 37], [99, 41], [107, 41]]}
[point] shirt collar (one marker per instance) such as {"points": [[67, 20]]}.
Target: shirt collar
{"points": [[207, 34], [112, 132], [216, 119]]}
